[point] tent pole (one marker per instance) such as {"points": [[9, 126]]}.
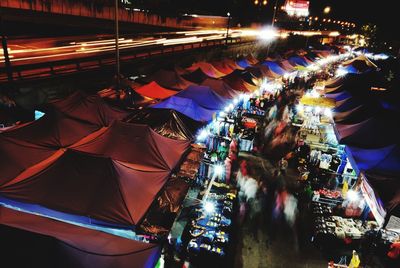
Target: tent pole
{"points": [[117, 70], [7, 61]]}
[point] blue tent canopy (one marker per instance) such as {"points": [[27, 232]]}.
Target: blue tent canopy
{"points": [[384, 160], [275, 67], [338, 96], [296, 60], [347, 105], [187, 107], [204, 96], [243, 63], [357, 115], [350, 69]]}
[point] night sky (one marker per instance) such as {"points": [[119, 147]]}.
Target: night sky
{"points": [[384, 13]]}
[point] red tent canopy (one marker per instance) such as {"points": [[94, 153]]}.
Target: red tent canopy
{"points": [[17, 156], [91, 109], [207, 68], [226, 66], [23, 149], [138, 145], [86, 247], [53, 130], [265, 70], [155, 91], [95, 187], [239, 84], [168, 79], [286, 65], [220, 87]]}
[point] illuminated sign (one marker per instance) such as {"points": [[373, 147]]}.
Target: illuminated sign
{"points": [[298, 8]]}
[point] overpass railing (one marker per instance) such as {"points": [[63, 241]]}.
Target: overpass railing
{"points": [[37, 71], [93, 10]]}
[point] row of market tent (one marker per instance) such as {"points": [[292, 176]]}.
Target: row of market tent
{"points": [[86, 166], [202, 89], [368, 126]]}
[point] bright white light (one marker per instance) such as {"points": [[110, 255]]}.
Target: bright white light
{"points": [[348, 48], [209, 207], [308, 109], [312, 94], [328, 112], [226, 110], [341, 72], [334, 34], [203, 135], [314, 67], [219, 170], [268, 34], [300, 107], [235, 101], [317, 109], [222, 114], [352, 195]]}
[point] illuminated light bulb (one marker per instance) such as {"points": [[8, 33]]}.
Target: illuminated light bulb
{"points": [[256, 2], [209, 207], [352, 195], [299, 107], [219, 170], [265, 2], [328, 112], [203, 135]]}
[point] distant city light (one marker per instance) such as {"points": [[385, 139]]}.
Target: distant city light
{"points": [[327, 10]]}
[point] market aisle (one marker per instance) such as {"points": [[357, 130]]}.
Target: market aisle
{"points": [[282, 251]]}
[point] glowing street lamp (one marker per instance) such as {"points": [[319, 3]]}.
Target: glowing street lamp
{"points": [[227, 28], [327, 10], [268, 34]]}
